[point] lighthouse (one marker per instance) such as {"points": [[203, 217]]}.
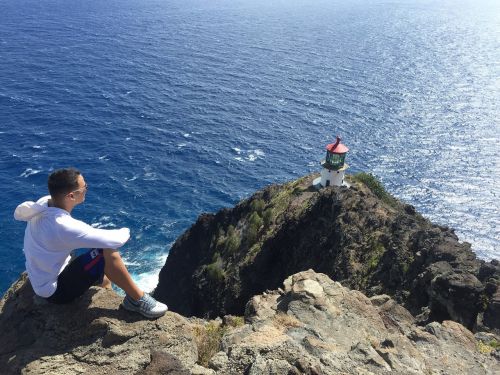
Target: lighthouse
{"points": [[334, 165]]}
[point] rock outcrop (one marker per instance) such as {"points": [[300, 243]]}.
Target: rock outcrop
{"points": [[89, 336], [312, 325], [316, 326], [361, 237]]}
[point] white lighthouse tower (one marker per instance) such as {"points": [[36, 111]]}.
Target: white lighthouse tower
{"points": [[334, 166]]}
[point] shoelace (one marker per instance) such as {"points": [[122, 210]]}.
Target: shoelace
{"points": [[147, 302]]}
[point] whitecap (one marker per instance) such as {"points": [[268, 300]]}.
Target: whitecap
{"points": [[37, 147], [103, 157], [186, 135], [150, 176], [181, 145], [252, 157], [107, 225], [128, 139], [237, 150], [29, 172], [147, 281], [130, 263], [259, 152], [239, 158]]}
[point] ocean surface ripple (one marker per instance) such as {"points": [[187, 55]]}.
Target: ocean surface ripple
{"points": [[174, 108]]}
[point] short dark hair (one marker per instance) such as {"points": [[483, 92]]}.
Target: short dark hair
{"points": [[63, 181]]}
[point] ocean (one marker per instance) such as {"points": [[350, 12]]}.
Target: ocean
{"points": [[173, 108]]}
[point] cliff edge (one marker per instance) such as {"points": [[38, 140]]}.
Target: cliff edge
{"points": [[360, 236]]}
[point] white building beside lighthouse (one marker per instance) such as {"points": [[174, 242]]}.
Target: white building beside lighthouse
{"points": [[334, 166]]}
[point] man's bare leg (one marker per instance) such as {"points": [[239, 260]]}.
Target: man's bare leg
{"points": [[106, 283], [116, 271]]}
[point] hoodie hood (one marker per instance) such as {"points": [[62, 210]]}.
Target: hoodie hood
{"points": [[28, 210]]}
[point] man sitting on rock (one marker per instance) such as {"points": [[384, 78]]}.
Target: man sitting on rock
{"points": [[51, 237]]}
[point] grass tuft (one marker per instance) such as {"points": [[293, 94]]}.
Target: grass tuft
{"points": [[376, 187], [208, 340]]}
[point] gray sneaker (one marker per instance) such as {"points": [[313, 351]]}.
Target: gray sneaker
{"points": [[146, 305]]}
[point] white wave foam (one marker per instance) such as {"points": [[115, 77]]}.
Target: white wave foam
{"points": [[237, 150], [255, 154], [29, 172], [130, 263], [103, 223], [186, 135], [147, 281]]}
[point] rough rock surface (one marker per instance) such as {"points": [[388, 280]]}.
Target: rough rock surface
{"points": [[90, 336], [311, 326], [316, 326], [361, 237]]}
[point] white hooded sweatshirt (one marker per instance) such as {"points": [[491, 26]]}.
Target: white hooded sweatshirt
{"points": [[51, 235]]}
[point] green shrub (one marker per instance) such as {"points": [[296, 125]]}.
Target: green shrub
{"points": [[267, 217], [375, 186], [255, 220], [232, 243], [253, 227], [376, 252], [215, 270], [257, 205]]}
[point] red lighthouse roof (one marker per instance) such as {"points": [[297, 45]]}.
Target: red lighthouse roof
{"points": [[337, 147]]}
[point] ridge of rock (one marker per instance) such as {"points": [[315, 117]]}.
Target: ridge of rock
{"points": [[316, 326], [360, 236]]}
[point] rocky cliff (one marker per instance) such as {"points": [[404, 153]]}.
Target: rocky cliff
{"points": [[312, 325], [370, 287], [360, 236]]}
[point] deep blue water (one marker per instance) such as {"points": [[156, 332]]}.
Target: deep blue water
{"points": [[172, 108]]}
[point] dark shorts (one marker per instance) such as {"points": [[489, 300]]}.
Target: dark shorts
{"points": [[78, 276]]}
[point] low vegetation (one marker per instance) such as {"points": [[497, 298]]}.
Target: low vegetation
{"points": [[215, 270], [488, 347], [376, 187], [208, 340]]}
